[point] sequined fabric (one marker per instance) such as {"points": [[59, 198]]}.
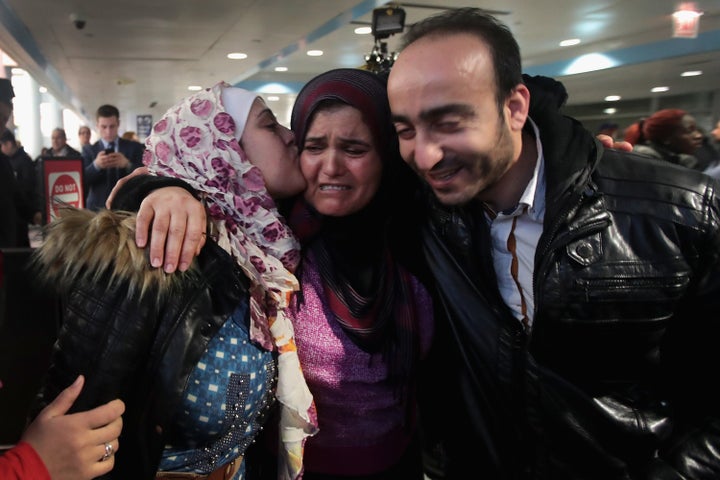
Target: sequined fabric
{"points": [[224, 407]]}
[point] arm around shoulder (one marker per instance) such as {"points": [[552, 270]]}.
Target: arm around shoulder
{"points": [[173, 218]]}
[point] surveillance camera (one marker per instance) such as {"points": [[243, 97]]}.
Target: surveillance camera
{"points": [[78, 21]]}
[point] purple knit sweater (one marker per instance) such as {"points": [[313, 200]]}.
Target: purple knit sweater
{"points": [[359, 416]]}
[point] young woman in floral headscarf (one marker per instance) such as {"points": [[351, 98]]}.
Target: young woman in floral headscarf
{"points": [[198, 357]]}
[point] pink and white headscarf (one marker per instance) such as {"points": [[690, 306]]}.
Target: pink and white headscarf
{"points": [[196, 142]]}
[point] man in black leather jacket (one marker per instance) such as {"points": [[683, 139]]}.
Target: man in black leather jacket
{"points": [[578, 288]]}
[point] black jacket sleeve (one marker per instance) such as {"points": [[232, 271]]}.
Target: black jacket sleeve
{"points": [[131, 195]]}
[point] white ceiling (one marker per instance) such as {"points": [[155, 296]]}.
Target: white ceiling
{"points": [[138, 53]]}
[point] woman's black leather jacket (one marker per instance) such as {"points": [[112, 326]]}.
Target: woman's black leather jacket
{"points": [[615, 379], [139, 346]]}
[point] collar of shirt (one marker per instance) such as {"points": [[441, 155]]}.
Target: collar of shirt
{"points": [[107, 144], [532, 201], [534, 195]]}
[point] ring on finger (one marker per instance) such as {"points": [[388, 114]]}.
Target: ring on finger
{"points": [[108, 452]]}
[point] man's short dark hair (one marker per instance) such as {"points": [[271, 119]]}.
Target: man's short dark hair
{"points": [[106, 111], [476, 21]]}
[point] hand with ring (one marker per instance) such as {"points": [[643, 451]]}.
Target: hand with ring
{"points": [[77, 446]]}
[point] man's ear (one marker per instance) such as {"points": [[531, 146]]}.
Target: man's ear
{"points": [[517, 106]]}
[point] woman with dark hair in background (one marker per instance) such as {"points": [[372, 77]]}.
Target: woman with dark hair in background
{"points": [[671, 135]]}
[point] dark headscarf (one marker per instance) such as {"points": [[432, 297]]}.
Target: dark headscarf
{"points": [[361, 89], [365, 91]]}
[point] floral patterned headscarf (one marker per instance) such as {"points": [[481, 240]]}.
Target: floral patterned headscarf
{"points": [[196, 142]]}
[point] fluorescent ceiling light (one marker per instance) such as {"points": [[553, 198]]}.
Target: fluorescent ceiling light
{"points": [[589, 63], [314, 53], [194, 88], [275, 88], [569, 42], [610, 111], [659, 89], [273, 98], [691, 73], [612, 98], [363, 30], [237, 56], [281, 69]]}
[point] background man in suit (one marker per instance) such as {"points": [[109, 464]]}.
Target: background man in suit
{"points": [[109, 159]]}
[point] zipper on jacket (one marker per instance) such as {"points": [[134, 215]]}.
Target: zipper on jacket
{"points": [[647, 283]]}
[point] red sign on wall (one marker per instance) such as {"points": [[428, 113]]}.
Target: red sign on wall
{"points": [[686, 21], [63, 184]]}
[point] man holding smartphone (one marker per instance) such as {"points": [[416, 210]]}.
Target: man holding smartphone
{"points": [[109, 159]]}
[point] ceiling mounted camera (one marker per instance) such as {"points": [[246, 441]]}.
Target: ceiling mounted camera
{"points": [[78, 21]]}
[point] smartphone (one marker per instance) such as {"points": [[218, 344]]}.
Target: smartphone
{"points": [[109, 150]]}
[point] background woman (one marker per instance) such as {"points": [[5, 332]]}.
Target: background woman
{"points": [[671, 135]]}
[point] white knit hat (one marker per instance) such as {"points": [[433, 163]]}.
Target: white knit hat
{"points": [[238, 102]]}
